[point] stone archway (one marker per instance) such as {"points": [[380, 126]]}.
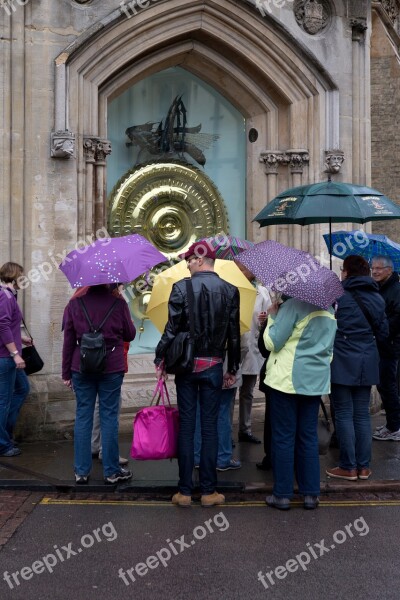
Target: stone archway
{"points": [[281, 90]]}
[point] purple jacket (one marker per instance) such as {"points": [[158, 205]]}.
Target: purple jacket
{"points": [[117, 329], [10, 321]]}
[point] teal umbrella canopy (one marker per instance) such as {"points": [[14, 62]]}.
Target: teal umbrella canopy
{"points": [[328, 202]]}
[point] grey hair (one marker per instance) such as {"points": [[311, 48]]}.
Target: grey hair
{"points": [[385, 260], [208, 260]]}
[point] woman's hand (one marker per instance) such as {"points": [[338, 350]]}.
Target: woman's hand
{"points": [[27, 341], [160, 373], [273, 309], [19, 361], [68, 383]]}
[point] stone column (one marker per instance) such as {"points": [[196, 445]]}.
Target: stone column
{"points": [[89, 150], [297, 160], [103, 149], [95, 152], [358, 37], [271, 160]]}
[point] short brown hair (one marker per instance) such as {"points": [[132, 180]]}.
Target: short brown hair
{"points": [[10, 272], [355, 266]]}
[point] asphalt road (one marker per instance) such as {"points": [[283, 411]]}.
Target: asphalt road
{"points": [[82, 549]]}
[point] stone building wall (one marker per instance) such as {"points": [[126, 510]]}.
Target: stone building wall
{"points": [[305, 90]]}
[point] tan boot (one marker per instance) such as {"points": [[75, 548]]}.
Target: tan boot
{"points": [[181, 500], [212, 499]]}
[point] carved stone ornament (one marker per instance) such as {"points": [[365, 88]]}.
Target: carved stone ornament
{"points": [[312, 15], [62, 144], [392, 9], [272, 160], [297, 160], [333, 160], [96, 149]]}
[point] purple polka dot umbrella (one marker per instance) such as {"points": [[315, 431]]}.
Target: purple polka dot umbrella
{"points": [[110, 260], [292, 272]]}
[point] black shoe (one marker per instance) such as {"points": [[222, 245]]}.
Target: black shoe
{"points": [[81, 479], [264, 465], [279, 503], [248, 437], [121, 475], [311, 502], [10, 453]]}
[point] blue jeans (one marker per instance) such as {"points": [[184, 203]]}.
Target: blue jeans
{"points": [[108, 388], [206, 386], [14, 388], [389, 392], [353, 424], [294, 420], [224, 427]]}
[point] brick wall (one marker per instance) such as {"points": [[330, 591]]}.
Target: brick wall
{"points": [[385, 121]]}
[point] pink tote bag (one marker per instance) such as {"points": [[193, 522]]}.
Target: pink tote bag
{"points": [[156, 428]]}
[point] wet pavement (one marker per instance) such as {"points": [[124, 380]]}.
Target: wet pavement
{"points": [[48, 466]]}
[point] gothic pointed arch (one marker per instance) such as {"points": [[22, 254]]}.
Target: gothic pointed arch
{"points": [[275, 82]]}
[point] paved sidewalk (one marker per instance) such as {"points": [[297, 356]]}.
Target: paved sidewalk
{"points": [[52, 464]]}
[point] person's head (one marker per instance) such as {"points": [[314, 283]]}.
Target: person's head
{"points": [[381, 268], [199, 257], [10, 272], [355, 266]]}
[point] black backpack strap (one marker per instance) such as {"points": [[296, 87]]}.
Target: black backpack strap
{"points": [[86, 314], [190, 296], [92, 327], [364, 311], [108, 314]]}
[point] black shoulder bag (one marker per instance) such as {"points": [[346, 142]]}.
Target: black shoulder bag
{"points": [[179, 357], [33, 361], [93, 344]]}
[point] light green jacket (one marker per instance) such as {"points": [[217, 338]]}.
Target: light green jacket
{"points": [[300, 338]]}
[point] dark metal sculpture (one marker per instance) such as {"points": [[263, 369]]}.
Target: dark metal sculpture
{"points": [[173, 138]]}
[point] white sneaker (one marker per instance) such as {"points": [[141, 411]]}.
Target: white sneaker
{"points": [[379, 428], [385, 434]]}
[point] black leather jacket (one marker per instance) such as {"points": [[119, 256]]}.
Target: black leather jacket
{"points": [[216, 318]]}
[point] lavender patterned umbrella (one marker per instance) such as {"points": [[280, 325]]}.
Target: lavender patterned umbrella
{"points": [[292, 272], [111, 260]]}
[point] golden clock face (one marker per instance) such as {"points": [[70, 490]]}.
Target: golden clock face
{"points": [[172, 204]]}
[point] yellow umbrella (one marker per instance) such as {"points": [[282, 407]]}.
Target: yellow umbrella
{"points": [[157, 308]]}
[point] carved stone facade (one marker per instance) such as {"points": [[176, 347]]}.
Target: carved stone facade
{"points": [[286, 80]]}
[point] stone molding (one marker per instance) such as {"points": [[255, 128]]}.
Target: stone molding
{"points": [[389, 13]]}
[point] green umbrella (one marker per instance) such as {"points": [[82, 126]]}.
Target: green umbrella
{"points": [[328, 202]]}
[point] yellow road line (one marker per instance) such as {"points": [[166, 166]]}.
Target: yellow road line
{"points": [[244, 504]]}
